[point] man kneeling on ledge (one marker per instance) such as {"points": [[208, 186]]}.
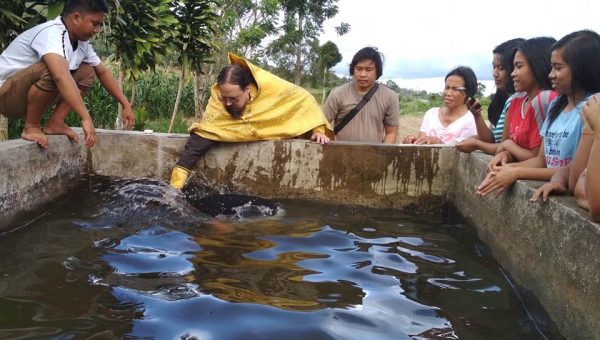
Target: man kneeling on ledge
{"points": [[249, 104]]}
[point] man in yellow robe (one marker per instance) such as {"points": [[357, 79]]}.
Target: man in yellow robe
{"points": [[250, 104]]}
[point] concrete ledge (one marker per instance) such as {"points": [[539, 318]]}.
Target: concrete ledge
{"points": [[549, 248], [136, 154], [33, 177], [384, 176]]}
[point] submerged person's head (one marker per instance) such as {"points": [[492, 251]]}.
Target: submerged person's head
{"points": [[86, 17], [460, 85], [532, 65], [366, 67], [234, 89]]}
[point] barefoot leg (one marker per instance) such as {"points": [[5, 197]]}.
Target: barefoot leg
{"points": [[37, 102], [56, 124]]}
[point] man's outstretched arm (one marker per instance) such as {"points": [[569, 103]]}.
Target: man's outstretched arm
{"points": [[110, 84]]}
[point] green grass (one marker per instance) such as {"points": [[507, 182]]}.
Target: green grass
{"points": [[162, 125]]}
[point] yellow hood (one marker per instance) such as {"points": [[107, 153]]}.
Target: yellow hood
{"points": [[278, 109]]}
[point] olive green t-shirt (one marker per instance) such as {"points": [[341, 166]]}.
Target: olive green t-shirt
{"points": [[369, 123]]}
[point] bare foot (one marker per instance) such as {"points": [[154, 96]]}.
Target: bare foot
{"points": [[60, 128], [35, 134]]}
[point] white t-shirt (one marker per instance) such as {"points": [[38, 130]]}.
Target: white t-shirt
{"points": [[30, 46], [463, 127]]}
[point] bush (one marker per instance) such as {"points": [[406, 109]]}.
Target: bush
{"points": [[157, 92]]}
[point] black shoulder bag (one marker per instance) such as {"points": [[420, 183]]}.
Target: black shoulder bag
{"points": [[351, 114]]}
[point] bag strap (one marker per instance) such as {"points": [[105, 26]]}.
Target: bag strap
{"points": [[339, 126], [540, 107]]}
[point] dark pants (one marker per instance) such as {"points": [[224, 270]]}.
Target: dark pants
{"points": [[195, 148]]}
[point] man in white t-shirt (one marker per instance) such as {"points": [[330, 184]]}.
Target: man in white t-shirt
{"points": [[54, 63]]}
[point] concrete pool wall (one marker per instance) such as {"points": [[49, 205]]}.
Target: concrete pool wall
{"points": [[549, 249]]}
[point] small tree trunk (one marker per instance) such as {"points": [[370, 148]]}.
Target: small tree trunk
{"points": [[298, 67], [197, 103], [132, 101], [324, 84], [3, 128], [119, 120], [204, 86], [179, 91]]}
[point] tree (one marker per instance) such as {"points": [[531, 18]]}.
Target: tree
{"points": [[16, 16], [329, 56], [251, 21], [393, 86], [480, 89], [192, 39], [11, 21], [139, 31], [302, 24]]}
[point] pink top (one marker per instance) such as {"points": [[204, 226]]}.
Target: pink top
{"points": [[459, 129]]}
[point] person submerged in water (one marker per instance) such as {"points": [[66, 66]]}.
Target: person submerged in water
{"points": [[249, 104], [236, 204]]}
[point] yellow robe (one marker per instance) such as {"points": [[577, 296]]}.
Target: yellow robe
{"points": [[278, 109]]}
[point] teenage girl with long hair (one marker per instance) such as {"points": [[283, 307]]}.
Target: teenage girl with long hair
{"points": [[582, 50], [502, 67], [575, 75]]}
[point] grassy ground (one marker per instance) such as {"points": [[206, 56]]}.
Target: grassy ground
{"points": [[409, 125]]}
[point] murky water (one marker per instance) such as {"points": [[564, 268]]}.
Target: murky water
{"points": [[134, 259]]}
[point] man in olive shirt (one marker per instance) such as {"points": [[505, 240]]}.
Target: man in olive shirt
{"points": [[377, 121]]}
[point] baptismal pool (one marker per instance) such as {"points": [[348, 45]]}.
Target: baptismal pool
{"points": [[131, 258]]}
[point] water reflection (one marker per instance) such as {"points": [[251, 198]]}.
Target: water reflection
{"points": [[250, 266], [136, 259]]}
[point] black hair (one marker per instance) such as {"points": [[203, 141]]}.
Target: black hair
{"points": [[537, 52], [468, 76], [236, 75], [368, 53], [581, 51], [506, 51], [85, 6]]}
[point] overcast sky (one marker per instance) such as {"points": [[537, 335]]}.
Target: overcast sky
{"points": [[427, 38]]}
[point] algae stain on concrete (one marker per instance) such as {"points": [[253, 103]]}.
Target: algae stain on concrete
{"points": [[372, 170], [282, 156]]}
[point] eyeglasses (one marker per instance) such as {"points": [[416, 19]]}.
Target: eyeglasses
{"points": [[456, 89], [230, 100]]}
